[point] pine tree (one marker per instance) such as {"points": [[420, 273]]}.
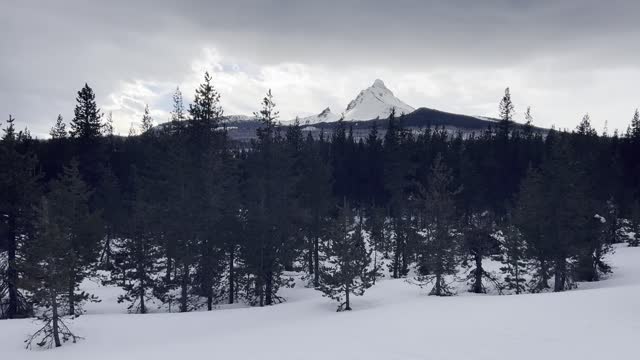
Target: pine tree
{"points": [[317, 197], [585, 128], [86, 123], [635, 125], [206, 105], [86, 130], [513, 250], [477, 244], [19, 192], [529, 218], [269, 194], [48, 275], [396, 169], [268, 116], [528, 124], [132, 130], [59, 130], [107, 128], [82, 228], [506, 114], [375, 226], [348, 270], [137, 252], [177, 114], [438, 231], [633, 236], [147, 122]]}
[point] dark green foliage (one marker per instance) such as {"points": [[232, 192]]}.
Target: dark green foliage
{"points": [[68, 209], [136, 251], [348, 269], [438, 230], [49, 274], [513, 256], [633, 238], [147, 122], [59, 130], [19, 193], [194, 218], [478, 243], [86, 124]]}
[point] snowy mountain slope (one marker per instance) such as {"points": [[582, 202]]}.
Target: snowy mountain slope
{"points": [[394, 320], [324, 116], [375, 101]]}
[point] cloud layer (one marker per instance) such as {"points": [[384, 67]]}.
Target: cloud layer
{"points": [[563, 58]]}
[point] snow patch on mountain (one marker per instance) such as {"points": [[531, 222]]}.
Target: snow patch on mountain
{"points": [[324, 116], [376, 101]]}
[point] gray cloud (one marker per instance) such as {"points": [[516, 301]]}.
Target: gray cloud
{"points": [[562, 57]]}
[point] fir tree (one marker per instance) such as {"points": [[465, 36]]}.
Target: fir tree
{"points": [[147, 121], [348, 269], [438, 231], [635, 125], [59, 130], [107, 128], [177, 113], [82, 228], [529, 218], [136, 252], [633, 236], [86, 130], [48, 275], [317, 197], [206, 105], [506, 114], [19, 192], [513, 250], [86, 123], [585, 128], [477, 244]]}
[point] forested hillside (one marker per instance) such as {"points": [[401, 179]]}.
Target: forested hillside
{"points": [[185, 216]]}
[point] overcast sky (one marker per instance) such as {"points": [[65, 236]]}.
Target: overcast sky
{"points": [[562, 58]]}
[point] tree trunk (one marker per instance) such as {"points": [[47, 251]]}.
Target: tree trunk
{"points": [[143, 308], [310, 266], [396, 258], [268, 288], [405, 262], [316, 260], [72, 300], [12, 272], [209, 300], [183, 288], [54, 318], [347, 306], [560, 271], [516, 272], [438, 288], [477, 285], [141, 278], [167, 276], [231, 274]]}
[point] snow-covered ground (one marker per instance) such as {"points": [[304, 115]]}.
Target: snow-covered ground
{"points": [[394, 320]]}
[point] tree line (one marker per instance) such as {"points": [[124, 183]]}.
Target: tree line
{"points": [[183, 215]]}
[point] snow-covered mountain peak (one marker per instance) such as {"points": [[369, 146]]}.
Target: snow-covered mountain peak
{"points": [[324, 116], [376, 101], [379, 83], [325, 112]]}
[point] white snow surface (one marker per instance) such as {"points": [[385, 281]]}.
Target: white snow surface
{"points": [[393, 321], [376, 101], [324, 116]]}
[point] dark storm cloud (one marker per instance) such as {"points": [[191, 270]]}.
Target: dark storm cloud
{"points": [[50, 48]]}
